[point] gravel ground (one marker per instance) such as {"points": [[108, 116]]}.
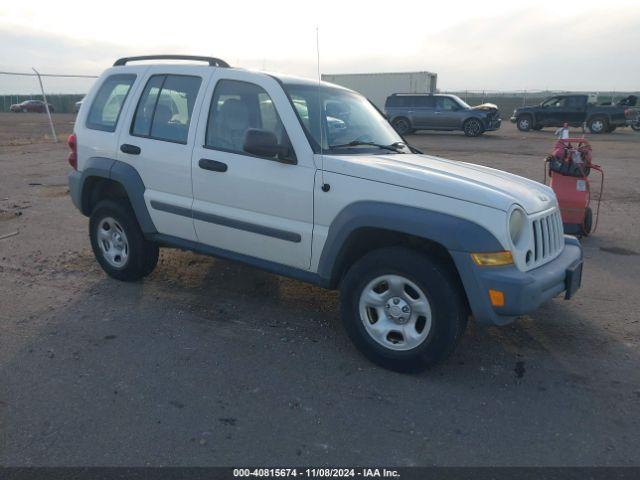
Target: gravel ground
{"points": [[207, 362]]}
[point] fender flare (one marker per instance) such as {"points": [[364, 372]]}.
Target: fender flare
{"points": [[125, 175], [453, 233]]}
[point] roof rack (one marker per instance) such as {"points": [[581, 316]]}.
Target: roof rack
{"points": [[414, 94], [212, 61]]}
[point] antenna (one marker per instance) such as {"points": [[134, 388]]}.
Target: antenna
{"points": [[325, 186]]}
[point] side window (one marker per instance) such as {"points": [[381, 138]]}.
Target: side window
{"points": [[445, 103], [300, 104], [165, 107], [239, 106], [107, 104], [424, 101]]}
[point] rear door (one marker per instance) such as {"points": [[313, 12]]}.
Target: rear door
{"points": [[575, 109], [158, 141], [256, 206], [422, 111]]}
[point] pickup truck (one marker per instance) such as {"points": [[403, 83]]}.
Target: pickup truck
{"points": [[575, 110]]}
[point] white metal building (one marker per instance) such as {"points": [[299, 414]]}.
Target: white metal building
{"points": [[378, 86]]}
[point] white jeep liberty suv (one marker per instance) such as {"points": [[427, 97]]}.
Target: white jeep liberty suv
{"points": [[308, 180]]}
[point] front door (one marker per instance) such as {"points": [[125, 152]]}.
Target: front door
{"points": [[256, 205], [447, 113]]}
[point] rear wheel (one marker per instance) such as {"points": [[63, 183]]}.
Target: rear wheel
{"points": [[636, 126], [524, 123], [472, 127], [118, 243], [598, 125], [402, 125], [402, 310]]}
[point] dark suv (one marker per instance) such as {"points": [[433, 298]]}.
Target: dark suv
{"points": [[410, 112]]}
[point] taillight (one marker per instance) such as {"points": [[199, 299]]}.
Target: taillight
{"points": [[73, 155]]}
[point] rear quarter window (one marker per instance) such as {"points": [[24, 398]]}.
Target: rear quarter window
{"points": [[107, 104]]}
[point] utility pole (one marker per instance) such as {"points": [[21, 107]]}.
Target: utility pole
{"points": [[46, 107]]}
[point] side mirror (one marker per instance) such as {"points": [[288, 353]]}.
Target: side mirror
{"points": [[264, 143]]}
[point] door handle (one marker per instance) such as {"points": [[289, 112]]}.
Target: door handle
{"points": [[130, 149], [212, 165]]}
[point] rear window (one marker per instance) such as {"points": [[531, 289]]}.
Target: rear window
{"points": [[164, 109], [107, 104]]}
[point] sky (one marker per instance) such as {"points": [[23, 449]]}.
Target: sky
{"points": [[478, 45]]}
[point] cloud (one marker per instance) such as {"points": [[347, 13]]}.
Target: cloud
{"points": [[595, 50]]}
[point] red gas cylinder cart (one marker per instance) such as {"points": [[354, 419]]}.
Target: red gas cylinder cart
{"points": [[570, 164]]}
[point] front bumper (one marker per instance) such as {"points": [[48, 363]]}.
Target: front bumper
{"points": [[493, 125], [523, 291]]}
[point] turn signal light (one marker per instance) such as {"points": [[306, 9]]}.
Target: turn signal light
{"points": [[493, 259], [496, 297]]}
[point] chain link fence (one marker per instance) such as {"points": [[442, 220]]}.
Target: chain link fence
{"points": [[62, 91], [32, 123]]}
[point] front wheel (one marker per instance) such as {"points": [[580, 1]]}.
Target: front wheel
{"points": [[118, 242], [524, 123], [402, 310], [472, 128], [635, 126], [598, 125]]}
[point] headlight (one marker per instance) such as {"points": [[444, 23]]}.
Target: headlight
{"points": [[517, 222]]}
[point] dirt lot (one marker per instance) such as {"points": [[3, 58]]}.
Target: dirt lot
{"points": [[207, 362]]}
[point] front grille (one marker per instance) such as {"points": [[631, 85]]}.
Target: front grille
{"points": [[548, 237]]}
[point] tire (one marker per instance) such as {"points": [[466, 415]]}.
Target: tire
{"points": [[587, 224], [412, 280], [402, 125], [118, 243], [524, 123], [472, 127], [598, 125], [635, 126]]}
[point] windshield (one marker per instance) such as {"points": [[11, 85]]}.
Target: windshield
{"points": [[350, 123], [461, 102]]}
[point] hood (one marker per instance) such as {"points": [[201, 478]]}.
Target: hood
{"points": [[465, 181], [485, 106]]}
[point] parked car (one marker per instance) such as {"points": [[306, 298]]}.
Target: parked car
{"points": [[576, 110], [77, 105], [246, 166], [410, 112], [36, 106]]}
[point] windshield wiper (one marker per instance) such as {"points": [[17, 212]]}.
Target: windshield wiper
{"points": [[394, 147]]}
